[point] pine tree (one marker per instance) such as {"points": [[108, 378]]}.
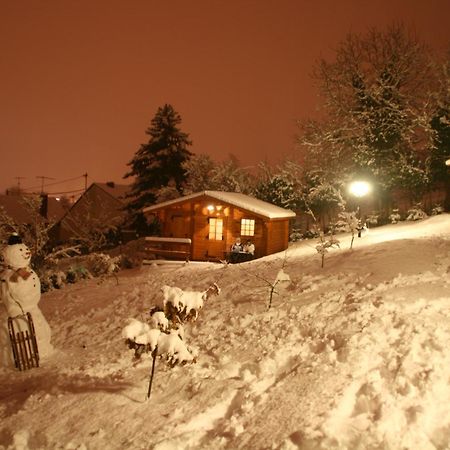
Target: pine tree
{"points": [[159, 162]]}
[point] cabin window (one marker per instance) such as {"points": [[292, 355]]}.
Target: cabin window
{"points": [[215, 229], [247, 227]]}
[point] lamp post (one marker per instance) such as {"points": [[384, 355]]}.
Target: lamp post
{"points": [[359, 189]]}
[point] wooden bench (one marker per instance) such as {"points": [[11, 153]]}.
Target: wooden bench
{"points": [[177, 248]]}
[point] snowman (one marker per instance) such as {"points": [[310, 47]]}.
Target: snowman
{"points": [[20, 293]]}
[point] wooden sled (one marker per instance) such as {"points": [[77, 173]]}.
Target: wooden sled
{"points": [[23, 343]]}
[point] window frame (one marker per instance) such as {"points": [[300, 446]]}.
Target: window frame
{"points": [[248, 227], [213, 230]]}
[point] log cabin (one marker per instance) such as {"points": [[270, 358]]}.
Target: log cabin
{"points": [[210, 221]]}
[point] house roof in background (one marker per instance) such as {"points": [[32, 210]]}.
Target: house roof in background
{"points": [[236, 199], [118, 191], [15, 208]]}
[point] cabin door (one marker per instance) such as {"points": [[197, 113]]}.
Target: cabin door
{"points": [[216, 237]]}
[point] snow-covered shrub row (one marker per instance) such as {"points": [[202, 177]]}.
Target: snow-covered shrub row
{"points": [[72, 270]]}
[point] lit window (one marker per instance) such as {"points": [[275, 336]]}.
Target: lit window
{"points": [[247, 227], [215, 229]]}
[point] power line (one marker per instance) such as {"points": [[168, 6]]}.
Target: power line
{"points": [[42, 177], [53, 184], [66, 192]]}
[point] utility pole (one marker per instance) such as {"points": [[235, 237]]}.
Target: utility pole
{"points": [[18, 183], [43, 178]]}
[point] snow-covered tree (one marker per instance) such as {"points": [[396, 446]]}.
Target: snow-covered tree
{"points": [[204, 174], [163, 335], [280, 186], [199, 171], [166, 193], [440, 152], [228, 176], [35, 233], [160, 161], [378, 105], [349, 222]]}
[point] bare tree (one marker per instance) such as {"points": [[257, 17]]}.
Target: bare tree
{"points": [[378, 101]]}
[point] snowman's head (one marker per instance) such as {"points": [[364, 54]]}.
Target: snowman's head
{"points": [[16, 255]]}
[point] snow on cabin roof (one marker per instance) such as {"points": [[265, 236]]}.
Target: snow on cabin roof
{"points": [[236, 199]]}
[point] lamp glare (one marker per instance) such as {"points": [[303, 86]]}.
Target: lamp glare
{"points": [[359, 188]]}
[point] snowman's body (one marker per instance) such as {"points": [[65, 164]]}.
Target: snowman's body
{"points": [[20, 293]]}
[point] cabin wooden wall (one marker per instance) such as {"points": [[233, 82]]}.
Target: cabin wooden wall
{"points": [[191, 220], [234, 231], [277, 236]]}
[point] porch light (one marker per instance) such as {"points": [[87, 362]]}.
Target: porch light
{"points": [[210, 208]]}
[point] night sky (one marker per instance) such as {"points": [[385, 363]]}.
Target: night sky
{"points": [[81, 80]]}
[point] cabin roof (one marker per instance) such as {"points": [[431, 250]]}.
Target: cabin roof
{"points": [[233, 198]]}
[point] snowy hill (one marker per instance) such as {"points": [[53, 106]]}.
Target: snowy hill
{"points": [[352, 356]]}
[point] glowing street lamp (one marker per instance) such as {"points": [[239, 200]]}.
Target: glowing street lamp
{"points": [[359, 189]]}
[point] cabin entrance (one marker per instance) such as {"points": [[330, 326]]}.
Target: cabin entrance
{"points": [[216, 237]]}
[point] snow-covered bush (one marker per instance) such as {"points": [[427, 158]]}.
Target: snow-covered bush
{"points": [[183, 306], [326, 242], [348, 222], [395, 217], [310, 234], [72, 270], [102, 264], [416, 213], [163, 334], [437, 209], [295, 235], [373, 219], [52, 279], [77, 273]]}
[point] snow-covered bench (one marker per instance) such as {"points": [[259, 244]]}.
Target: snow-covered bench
{"points": [[176, 248]]}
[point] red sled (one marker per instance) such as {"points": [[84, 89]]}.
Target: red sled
{"points": [[23, 341]]}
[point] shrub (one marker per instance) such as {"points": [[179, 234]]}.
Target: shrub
{"points": [[416, 213], [395, 217]]}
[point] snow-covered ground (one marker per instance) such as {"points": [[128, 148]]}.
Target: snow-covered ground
{"points": [[352, 356]]}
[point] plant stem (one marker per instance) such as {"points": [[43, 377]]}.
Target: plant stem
{"points": [[154, 353]]}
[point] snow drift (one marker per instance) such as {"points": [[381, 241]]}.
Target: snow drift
{"points": [[351, 356]]}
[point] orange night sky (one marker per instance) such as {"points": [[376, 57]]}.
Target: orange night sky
{"points": [[81, 79]]}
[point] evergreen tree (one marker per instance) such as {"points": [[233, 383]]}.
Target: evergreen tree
{"points": [[159, 162]]}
